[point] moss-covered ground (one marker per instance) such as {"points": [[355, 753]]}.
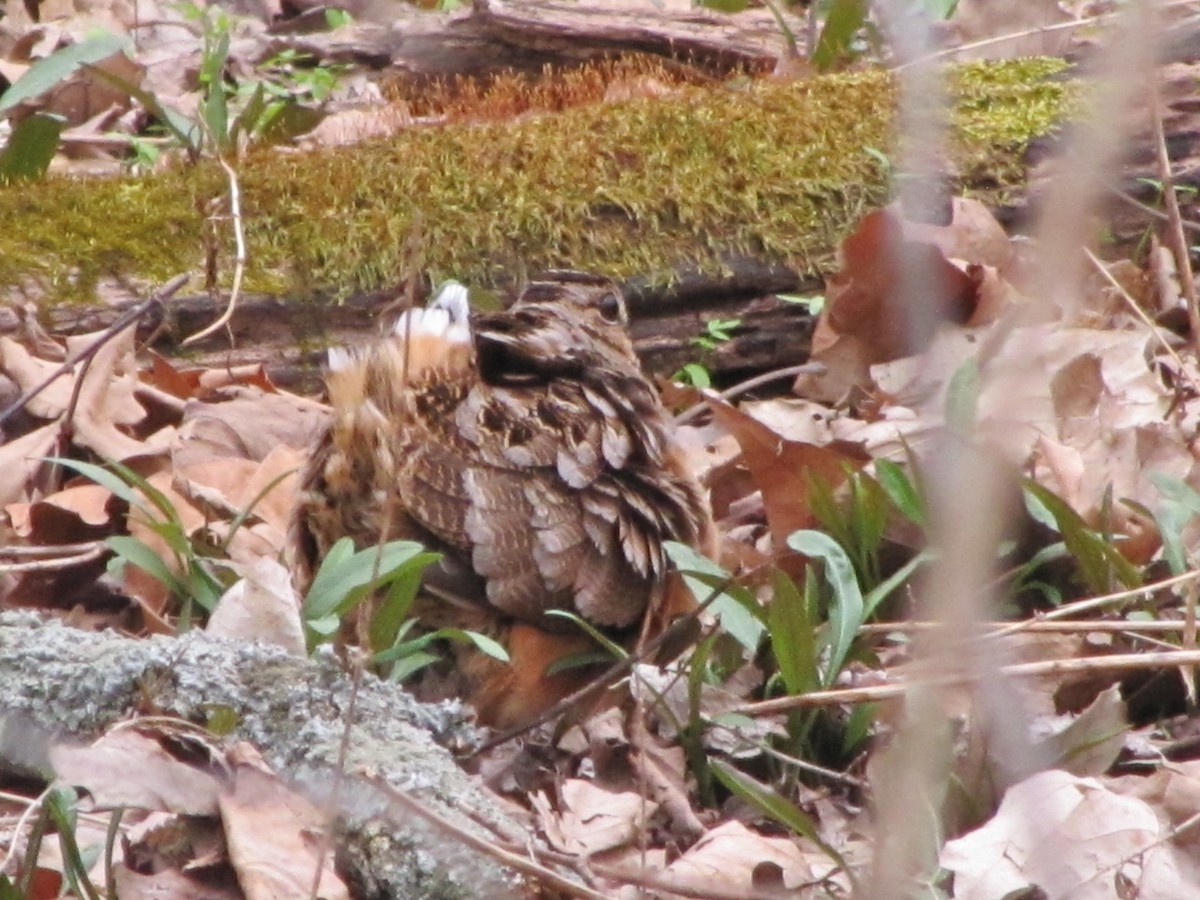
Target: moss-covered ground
{"points": [[775, 169]]}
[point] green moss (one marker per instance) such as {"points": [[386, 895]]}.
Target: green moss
{"points": [[778, 170]]}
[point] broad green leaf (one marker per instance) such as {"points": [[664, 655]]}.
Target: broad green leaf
{"points": [[1181, 505], [846, 613], [736, 608], [344, 570], [941, 9], [287, 121], [842, 25], [61, 64], [31, 147], [324, 626]]}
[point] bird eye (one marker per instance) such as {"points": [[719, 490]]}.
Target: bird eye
{"points": [[611, 308]]}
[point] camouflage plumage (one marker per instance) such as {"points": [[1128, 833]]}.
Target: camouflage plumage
{"points": [[526, 445]]}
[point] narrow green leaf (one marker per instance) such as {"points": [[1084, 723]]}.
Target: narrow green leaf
{"points": [[61, 806], [183, 129], [768, 801], [725, 6], [962, 397], [136, 553], [1098, 561], [31, 147], [246, 121], [900, 490], [617, 651], [104, 478], [411, 664], [51, 71], [390, 618], [793, 636], [883, 590], [487, 645]]}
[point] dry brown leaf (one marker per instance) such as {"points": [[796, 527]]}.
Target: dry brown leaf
{"points": [[29, 372], [730, 856], [129, 768], [592, 819], [273, 834], [169, 883], [353, 126], [980, 20], [247, 424], [1173, 792], [1071, 837], [261, 606], [781, 469], [21, 462], [864, 323], [87, 502]]}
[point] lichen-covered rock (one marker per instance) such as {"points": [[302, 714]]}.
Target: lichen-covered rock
{"points": [[57, 682]]}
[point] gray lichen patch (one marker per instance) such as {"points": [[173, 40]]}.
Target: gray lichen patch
{"points": [[58, 683]]}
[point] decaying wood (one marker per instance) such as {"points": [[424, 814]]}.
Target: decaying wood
{"points": [[59, 684], [492, 35], [289, 336]]}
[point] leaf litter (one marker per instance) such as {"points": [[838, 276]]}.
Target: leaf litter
{"points": [[1098, 415], [1099, 410]]}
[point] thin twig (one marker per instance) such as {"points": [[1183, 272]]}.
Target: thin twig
{"points": [[1175, 237], [16, 552], [748, 385], [1085, 21], [1126, 197], [503, 856], [1118, 662], [55, 563], [239, 260], [1141, 314], [128, 317], [1036, 626], [1086, 605]]}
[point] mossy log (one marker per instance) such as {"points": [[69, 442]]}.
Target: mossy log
{"points": [[61, 684], [703, 200]]}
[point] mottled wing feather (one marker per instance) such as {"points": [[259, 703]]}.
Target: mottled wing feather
{"points": [[552, 482]]}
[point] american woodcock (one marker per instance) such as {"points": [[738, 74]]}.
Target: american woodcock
{"points": [[530, 450]]}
